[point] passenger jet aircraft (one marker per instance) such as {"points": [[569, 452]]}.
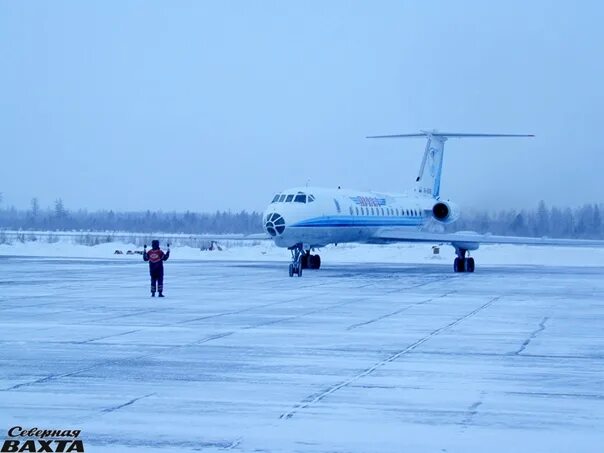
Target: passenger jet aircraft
{"points": [[303, 219]]}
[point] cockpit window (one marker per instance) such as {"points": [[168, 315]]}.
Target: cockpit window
{"points": [[311, 198], [275, 199], [282, 198], [289, 198], [300, 198]]}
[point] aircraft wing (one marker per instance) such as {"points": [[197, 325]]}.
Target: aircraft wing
{"points": [[469, 239], [234, 237]]}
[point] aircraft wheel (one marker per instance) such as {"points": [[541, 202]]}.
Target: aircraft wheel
{"points": [[299, 270], [469, 264], [305, 261], [291, 270], [458, 265], [316, 262]]}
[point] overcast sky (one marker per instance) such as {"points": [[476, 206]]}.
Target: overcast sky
{"points": [[202, 105]]}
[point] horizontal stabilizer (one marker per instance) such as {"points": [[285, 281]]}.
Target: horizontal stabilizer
{"points": [[402, 235], [448, 135]]}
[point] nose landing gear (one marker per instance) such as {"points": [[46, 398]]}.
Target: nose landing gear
{"points": [[295, 267], [302, 259]]}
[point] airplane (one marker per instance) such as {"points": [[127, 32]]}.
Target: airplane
{"points": [[303, 219]]}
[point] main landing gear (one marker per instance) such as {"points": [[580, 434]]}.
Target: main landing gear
{"points": [[463, 263], [310, 261], [302, 259]]}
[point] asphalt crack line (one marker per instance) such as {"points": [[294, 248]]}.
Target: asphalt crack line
{"points": [[317, 397], [121, 334], [532, 336], [396, 312], [129, 403], [472, 411]]}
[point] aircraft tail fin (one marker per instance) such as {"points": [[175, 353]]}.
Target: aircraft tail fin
{"points": [[428, 179]]}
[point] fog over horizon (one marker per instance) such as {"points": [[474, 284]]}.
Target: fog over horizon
{"points": [[207, 106]]}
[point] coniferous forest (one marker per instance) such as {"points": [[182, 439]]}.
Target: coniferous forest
{"points": [[544, 220]]}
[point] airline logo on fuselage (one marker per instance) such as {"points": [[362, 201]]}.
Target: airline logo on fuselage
{"points": [[369, 201]]}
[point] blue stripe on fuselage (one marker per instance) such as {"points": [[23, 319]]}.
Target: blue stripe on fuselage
{"points": [[352, 221]]}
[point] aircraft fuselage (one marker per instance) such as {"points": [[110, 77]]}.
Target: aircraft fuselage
{"points": [[316, 216]]}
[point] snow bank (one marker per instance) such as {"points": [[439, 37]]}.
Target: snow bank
{"points": [[344, 253]]}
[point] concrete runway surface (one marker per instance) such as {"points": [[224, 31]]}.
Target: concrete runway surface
{"points": [[350, 358]]}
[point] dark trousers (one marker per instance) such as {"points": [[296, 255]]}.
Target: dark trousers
{"points": [[157, 280]]}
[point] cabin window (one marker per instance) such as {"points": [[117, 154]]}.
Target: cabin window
{"points": [[337, 206], [289, 198], [300, 198], [357, 210]]}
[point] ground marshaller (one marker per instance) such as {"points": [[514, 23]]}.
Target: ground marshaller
{"points": [[156, 258]]}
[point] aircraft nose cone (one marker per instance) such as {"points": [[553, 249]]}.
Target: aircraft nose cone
{"points": [[274, 224]]}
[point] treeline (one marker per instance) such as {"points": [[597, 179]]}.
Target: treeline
{"points": [[584, 222], [581, 222], [60, 218]]}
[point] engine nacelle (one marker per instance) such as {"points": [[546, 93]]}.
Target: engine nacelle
{"points": [[445, 212]]}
